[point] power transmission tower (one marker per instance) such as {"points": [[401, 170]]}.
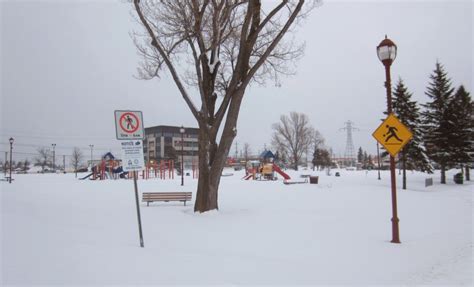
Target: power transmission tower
{"points": [[349, 153]]}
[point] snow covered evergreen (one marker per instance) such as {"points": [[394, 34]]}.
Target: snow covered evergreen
{"points": [[437, 126], [413, 155], [461, 119]]}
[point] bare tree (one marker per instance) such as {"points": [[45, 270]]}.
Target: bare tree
{"points": [[216, 48], [44, 158], [317, 140], [293, 135], [76, 159]]}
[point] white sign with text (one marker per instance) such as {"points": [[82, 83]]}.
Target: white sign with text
{"points": [[132, 155]]}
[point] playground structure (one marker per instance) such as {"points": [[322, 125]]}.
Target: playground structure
{"points": [[264, 171], [111, 168], [107, 168]]}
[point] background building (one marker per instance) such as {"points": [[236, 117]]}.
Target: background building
{"points": [[164, 142]]}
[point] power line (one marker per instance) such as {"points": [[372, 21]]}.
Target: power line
{"points": [[58, 146], [9, 133]]}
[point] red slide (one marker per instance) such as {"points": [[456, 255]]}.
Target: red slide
{"points": [[278, 169], [247, 177]]}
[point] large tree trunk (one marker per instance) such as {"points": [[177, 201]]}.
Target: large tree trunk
{"points": [[468, 176], [443, 173], [212, 157], [208, 184]]}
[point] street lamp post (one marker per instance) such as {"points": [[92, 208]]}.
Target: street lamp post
{"points": [[54, 156], [11, 149], [92, 148], [182, 130], [387, 52]]}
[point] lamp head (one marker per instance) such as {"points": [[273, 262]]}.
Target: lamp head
{"points": [[387, 51]]}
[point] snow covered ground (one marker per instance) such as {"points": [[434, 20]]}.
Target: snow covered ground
{"points": [[59, 230]]}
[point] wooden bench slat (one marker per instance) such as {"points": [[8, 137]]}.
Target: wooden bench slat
{"points": [[166, 196]]}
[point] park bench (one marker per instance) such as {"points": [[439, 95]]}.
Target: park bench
{"points": [[166, 196]]}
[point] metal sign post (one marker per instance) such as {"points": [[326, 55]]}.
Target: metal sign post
{"points": [[129, 130], [138, 209]]}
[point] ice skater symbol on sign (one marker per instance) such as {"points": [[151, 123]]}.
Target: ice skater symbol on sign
{"points": [[129, 125], [392, 134]]}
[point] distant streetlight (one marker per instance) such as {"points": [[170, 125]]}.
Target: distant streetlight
{"points": [[182, 130], [387, 52], [54, 156], [11, 149], [92, 148]]}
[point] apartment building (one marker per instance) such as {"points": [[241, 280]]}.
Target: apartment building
{"points": [[162, 141]]}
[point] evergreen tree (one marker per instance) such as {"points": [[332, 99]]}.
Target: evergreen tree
{"points": [[321, 158], [413, 156], [461, 119], [365, 162], [360, 155], [436, 125], [316, 158], [370, 162]]}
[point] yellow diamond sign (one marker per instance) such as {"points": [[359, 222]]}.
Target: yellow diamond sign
{"points": [[392, 134]]}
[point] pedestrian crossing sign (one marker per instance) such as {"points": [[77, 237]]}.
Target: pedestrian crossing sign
{"points": [[392, 134]]}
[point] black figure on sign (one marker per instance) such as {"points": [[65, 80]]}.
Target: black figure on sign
{"points": [[129, 122], [392, 132]]}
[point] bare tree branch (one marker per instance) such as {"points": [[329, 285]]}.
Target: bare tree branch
{"points": [[155, 43]]}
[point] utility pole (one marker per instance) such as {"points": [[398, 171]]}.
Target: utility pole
{"points": [[54, 157], [236, 150], [92, 148], [11, 153], [5, 164]]}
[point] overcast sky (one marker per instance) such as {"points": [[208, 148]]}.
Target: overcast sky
{"points": [[65, 68]]}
